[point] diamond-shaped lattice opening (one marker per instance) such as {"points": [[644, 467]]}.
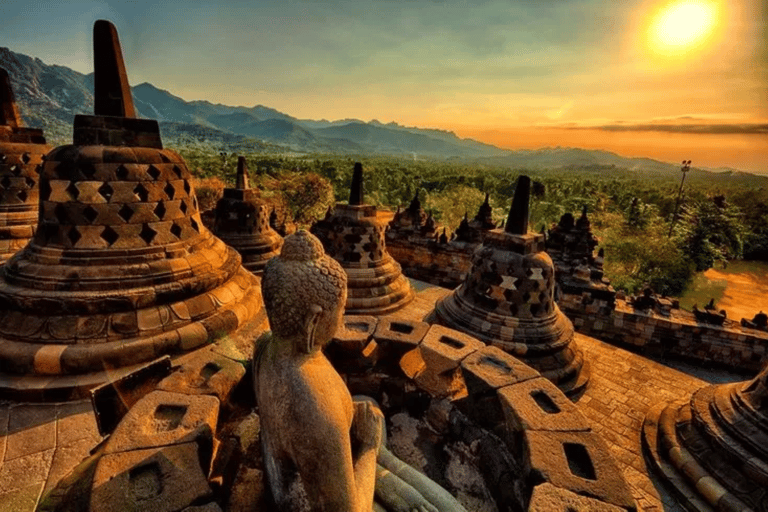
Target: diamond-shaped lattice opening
{"points": [[170, 190], [49, 230], [26, 158], [187, 188], [141, 191], [195, 226], [125, 213], [147, 234], [164, 157], [109, 235], [74, 235], [22, 195], [183, 207], [29, 181], [106, 191], [177, 170], [88, 169], [5, 182], [122, 173], [15, 170], [45, 190], [73, 190], [160, 210], [176, 230], [61, 214], [90, 213], [153, 172], [526, 297]]}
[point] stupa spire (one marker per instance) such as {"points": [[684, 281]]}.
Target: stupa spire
{"points": [[517, 222], [356, 191], [112, 94], [242, 182], [9, 114]]}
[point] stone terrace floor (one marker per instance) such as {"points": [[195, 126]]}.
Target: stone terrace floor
{"points": [[41, 443]]}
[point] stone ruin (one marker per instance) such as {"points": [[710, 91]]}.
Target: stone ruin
{"points": [[508, 300], [412, 222], [21, 154], [120, 270], [474, 231], [242, 222], [713, 449], [355, 236]]}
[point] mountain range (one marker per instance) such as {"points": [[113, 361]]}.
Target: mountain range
{"points": [[49, 96]]}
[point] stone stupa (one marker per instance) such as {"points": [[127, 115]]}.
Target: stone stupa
{"points": [[354, 236], [242, 221], [508, 300], [713, 449], [21, 153], [121, 269]]}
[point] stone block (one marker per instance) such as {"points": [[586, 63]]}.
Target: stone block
{"points": [[491, 368], [579, 462], [162, 419], [205, 372], [357, 332], [548, 498], [163, 479], [443, 349], [538, 404], [396, 336]]}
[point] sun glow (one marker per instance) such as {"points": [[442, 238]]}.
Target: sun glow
{"points": [[683, 25]]}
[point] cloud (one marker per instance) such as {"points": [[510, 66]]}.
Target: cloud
{"points": [[704, 129]]}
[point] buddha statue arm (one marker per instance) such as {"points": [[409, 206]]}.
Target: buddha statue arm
{"points": [[366, 437]]}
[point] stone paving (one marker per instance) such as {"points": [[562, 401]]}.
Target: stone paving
{"points": [[40, 444]]}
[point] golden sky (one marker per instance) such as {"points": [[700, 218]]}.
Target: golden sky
{"points": [[665, 79]]}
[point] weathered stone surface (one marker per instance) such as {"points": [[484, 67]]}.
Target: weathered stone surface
{"points": [[491, 368], [444, 349], [396, 336], [205, 372], [356, 332], [163, 419], [164, 479], [31, 429], [537, 404], [548, 498], [579, 462]]}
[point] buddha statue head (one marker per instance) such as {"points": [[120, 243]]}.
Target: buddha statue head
{"points": [[304, 293]]}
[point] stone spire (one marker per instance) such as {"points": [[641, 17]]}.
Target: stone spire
{"points": [[243, 221], [9, 114], [242, 181], [21, 153], [112, 94], [356, 191], [517, 221], [508, 300], [121, 270], [355, 237]]}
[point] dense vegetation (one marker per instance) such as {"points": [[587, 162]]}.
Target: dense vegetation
{"points": [[722, 216]]}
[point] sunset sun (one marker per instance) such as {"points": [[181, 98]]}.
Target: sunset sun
{"points": [[682, 26]]}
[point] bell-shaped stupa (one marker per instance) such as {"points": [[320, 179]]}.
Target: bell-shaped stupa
{"points": [[121, 270], [354, 236], [713, 449], [242, 221], [21, 153], [508, 300]]}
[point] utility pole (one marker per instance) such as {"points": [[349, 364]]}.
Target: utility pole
{"points": [[686, 166]]}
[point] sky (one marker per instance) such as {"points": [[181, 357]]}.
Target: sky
{"points": [[672, 80]]}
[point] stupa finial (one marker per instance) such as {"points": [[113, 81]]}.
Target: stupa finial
{"points": [[112, 94], [517, 222], [9, 114], [356, 192], [242, 182]]}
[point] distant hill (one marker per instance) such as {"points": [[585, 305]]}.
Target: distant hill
{"points": [[50, 97]]}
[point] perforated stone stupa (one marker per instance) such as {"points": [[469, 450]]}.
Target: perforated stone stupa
{"points": [[713, 449], [508, 300], [21, 153], [354, 236], [242, 221], [121, 269]]}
